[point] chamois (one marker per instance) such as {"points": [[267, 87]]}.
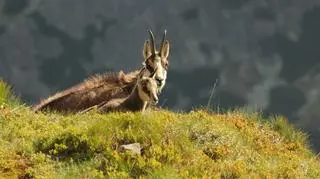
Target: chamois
{"points": [[102, 88], [143, 93]]}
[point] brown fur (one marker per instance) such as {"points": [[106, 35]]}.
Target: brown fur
{"points": [[135, 101], [92, 91], [130, 103]]}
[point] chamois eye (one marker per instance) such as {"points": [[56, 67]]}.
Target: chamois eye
{"points": [[166, 65]]}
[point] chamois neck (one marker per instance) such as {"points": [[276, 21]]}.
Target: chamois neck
{"points": [[133, 101]]}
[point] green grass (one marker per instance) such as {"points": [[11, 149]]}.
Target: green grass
{"points": [[6, 95], [204, 144]]}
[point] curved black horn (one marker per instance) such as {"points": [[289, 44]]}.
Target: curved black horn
{"points": [[163, 39], [153, 45]]}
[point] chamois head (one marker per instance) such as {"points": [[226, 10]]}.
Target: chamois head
{"points": [[154, 59], [147, 88]]}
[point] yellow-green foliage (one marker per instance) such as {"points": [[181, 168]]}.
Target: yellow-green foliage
{"points": [[175, 145], [6, 96]]}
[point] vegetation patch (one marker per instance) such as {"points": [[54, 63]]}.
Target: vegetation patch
{"points": [[199, 143]]}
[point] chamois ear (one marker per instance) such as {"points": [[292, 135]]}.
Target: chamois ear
{"points": [[165, 49], [146, 50]]}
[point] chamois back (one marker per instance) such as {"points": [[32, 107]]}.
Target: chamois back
{"points": [[90, 92]]}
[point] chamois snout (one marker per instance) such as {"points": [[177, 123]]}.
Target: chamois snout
{"points": [[154, 99], [153, 96], [159, 81], [160, 78]]}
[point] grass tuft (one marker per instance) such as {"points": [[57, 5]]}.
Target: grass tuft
{"points": [[7, 98]]}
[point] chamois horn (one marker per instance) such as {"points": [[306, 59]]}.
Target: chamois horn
{"points": [[153, 45], [163, 40]]}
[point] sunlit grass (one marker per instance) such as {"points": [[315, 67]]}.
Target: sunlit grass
{"points": [[236, 144], [6, 95]]}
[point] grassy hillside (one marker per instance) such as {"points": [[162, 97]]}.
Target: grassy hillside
{"points": [[175, 145]]}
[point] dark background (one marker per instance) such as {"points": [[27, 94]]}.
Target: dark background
{"points": [[265, 53]]}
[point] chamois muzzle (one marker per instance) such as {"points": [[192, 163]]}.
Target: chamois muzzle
{"points": [[154, 99], [159, 82]]}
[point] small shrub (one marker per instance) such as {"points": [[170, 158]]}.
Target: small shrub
{"points": [[66, 146]]}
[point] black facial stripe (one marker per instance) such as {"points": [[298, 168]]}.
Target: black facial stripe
{"points": [[149, 63], [146, 90], [151, 56], [149, 68]]}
